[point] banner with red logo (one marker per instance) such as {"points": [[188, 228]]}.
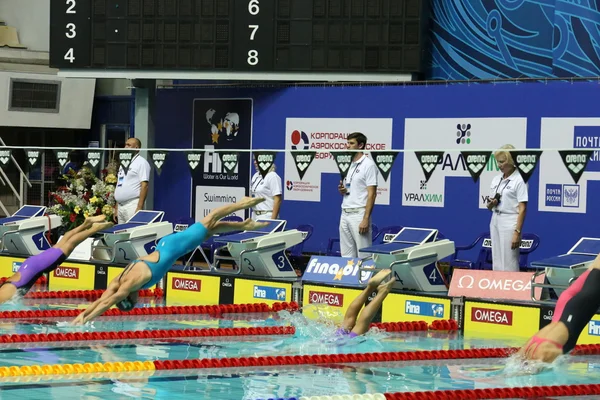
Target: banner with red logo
{"points": [[322, 136], [493, 285]]}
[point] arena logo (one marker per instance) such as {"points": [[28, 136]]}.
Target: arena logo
{"points": [[193, 159], [5, 156], [66, 272], [33, 156], [264, 161], [332, 299], [384, 162], [343, 160], [93, 158], [62, 156], [428, 161], [192, 285], [302, 160], [125, 158], [158, 159], [230, 162], [476, 162], [575, 161], [526, 161], [489, 316], [297, 137]]}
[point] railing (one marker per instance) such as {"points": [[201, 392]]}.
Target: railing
{"points": [[4, 179]]}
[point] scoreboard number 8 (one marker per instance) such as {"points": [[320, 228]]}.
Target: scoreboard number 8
{"points": [[253, 9]]}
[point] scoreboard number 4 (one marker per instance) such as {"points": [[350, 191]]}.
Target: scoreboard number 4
{"points": [[253, 9], [71, 30]]}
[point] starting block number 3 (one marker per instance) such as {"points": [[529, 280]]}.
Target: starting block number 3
{"points": [[282, 262]]}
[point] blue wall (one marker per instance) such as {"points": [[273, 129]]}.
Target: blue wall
{"points": [[490, 39], [460, 219]]}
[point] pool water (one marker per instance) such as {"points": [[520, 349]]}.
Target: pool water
{"points": [[312, 337]]}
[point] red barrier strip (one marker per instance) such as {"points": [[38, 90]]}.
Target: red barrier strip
{"points": [[86, 294], [212, 310], [534, 392], [172, 333], [151, 334], [348, 358]]}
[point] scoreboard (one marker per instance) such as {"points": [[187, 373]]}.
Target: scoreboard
{"points": [[376, 36]]}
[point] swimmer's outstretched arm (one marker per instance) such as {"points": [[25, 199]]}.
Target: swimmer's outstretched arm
{"points": [[113, 294]]}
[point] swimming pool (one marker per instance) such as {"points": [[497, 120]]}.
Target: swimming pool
{"points": [[258, 382]]}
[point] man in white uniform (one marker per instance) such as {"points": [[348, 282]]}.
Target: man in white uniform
{"points": [[508, 203], [359, 190], [268, 188], [132, 188]]}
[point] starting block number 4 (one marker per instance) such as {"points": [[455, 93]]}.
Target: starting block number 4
{"points": [[433, 275]]}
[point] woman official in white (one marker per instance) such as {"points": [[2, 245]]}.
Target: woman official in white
{"points": [[268, 188], [508, 203]]}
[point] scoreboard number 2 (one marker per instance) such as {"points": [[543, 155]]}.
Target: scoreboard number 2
{"points": [[71, 32], [253, 9]]}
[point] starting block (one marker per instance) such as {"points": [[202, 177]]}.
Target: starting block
{"points": [[23, 232], [260, 253], [562, 270], [136, 238], [412, 255]]}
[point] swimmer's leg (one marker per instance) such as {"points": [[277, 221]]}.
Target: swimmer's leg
{"points": [[366, 316], [68, 244], [357, 304], [81, 228], [213, 218]]}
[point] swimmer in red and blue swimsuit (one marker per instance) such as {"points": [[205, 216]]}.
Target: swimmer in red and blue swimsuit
{"points": [[148, 270], [48, 260], [574, 309], [357, 323]]}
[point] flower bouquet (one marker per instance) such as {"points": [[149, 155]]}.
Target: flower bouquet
{"points": [[83, 195]]}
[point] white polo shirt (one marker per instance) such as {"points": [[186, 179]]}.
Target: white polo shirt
{"points": [[129, 185], [362, 173], [267, 187], [513, 191]]}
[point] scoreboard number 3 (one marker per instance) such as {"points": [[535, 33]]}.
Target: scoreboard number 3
{"points": [[253, 9], [71, 30]]}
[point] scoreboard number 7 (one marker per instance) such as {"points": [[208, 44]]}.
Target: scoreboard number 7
{"points": [[253, 9]]}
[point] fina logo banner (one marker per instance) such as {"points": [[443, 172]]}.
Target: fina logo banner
{"points": [[158, 159], [125, 158], [343, 160], [264, 161], [193, 159], [93, 158], [62, 156], [428, 161], [476, 162], [302, 160], [526, 161], [384, 162], [32, 157], [230, 162], [5, 156], [341, 271], [575, 161]]}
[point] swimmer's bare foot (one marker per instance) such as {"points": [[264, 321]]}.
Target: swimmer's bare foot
{"points": [[386, 287], [249, 202], [250, 224], [100, 226], [377, 279], [89, 221]]}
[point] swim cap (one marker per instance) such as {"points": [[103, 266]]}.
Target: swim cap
{"points": [[126, 304]]}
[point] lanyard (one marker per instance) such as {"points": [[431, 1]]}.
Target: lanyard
{"points": [[349, 181], [505, 185], [258, 182]]}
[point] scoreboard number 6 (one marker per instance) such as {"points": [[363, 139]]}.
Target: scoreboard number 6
{"points": [[253, 9]]}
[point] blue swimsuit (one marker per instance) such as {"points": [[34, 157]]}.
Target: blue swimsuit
{"points": [[170, 248]]}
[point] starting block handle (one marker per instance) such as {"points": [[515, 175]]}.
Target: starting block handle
{"points": [[535, 285], [361, 268], [217, 262]]}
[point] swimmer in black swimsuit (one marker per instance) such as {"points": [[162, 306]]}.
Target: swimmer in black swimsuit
{"points": [[575, 308]]}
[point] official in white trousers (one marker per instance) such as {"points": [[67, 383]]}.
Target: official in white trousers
{"points": [[359, 190], [508, 203], [268, 187]]}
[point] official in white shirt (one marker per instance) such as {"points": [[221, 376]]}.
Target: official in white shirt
{"points": [[268, 188], [132, 187], [359, 190], [508, 203]]}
